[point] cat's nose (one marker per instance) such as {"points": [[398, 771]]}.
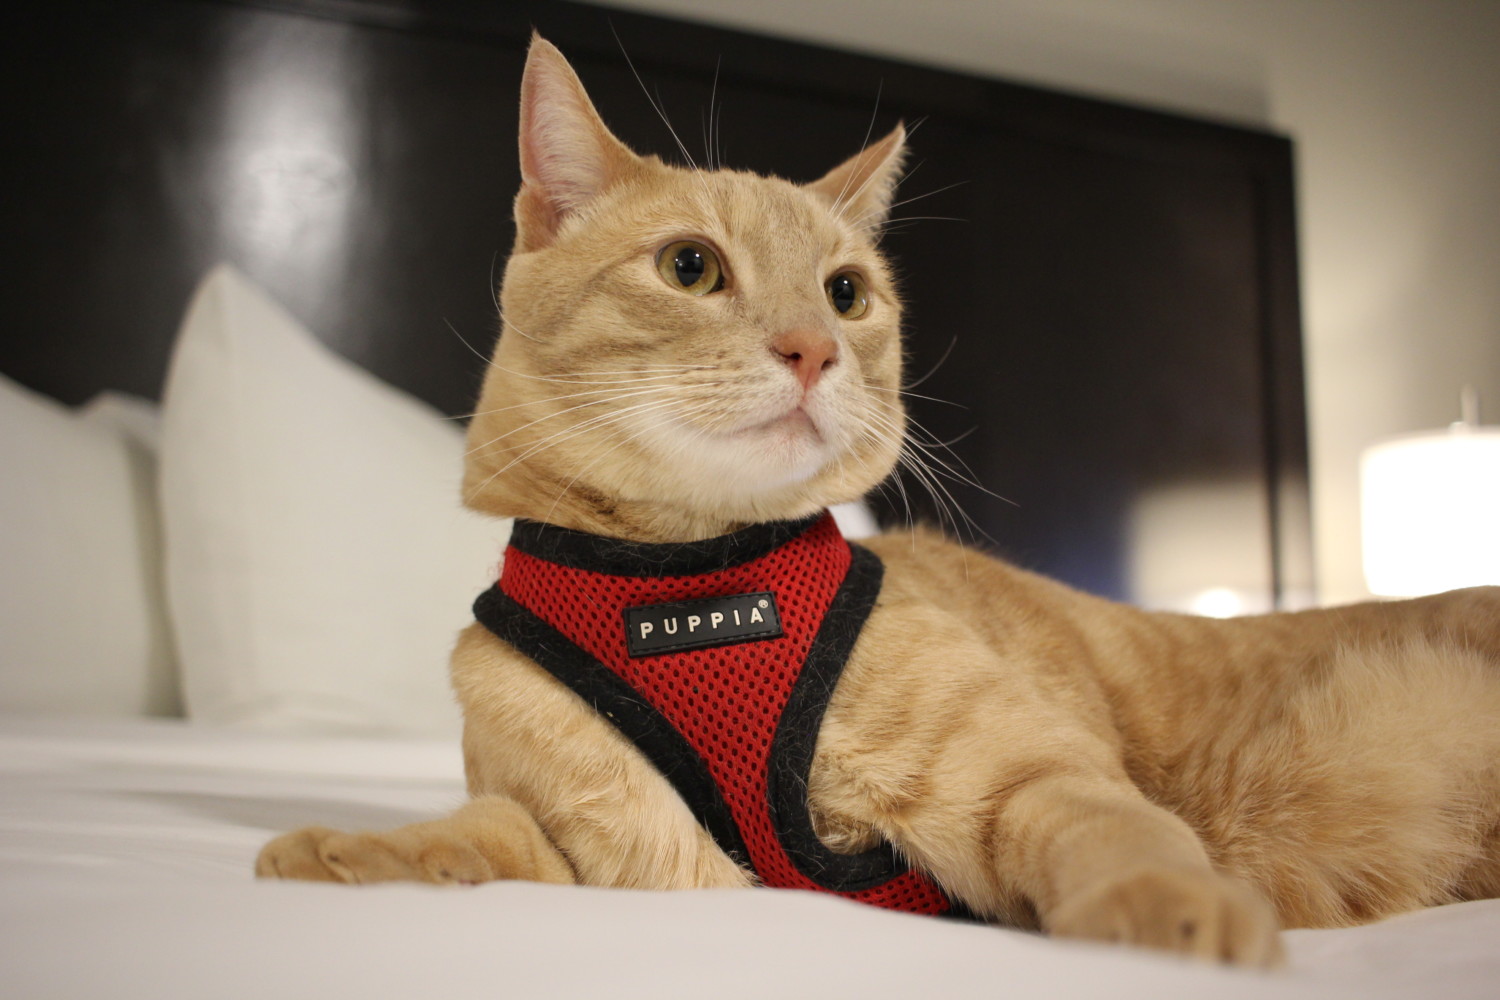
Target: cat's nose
{"points": [[808, 353]]}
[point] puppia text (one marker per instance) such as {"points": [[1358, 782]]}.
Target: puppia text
{"points": [[713, 621]]}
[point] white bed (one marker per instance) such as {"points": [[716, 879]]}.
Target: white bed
{"points": [[125, 857], [126, 842]]}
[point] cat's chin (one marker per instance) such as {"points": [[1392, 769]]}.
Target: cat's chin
{"points": [[754, 460]]}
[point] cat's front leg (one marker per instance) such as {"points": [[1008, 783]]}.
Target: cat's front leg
{"points": [[489, 838], [1001, 777], [1096, 861], [612, 814], [1104, 864]]}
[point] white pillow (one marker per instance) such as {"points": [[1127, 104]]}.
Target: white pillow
{"points": [[82, 623], [319, 563], [137, 420]]}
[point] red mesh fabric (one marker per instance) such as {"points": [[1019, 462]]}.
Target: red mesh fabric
{"points": [[725, 701]]}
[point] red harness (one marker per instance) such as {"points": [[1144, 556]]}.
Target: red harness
{"points": [[717, 659]]}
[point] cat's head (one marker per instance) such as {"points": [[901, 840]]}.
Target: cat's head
{"points": [[684, 351]]}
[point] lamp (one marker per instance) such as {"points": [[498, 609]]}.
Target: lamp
{"points": [[1430, 507]]}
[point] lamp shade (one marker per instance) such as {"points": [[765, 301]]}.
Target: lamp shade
{"points": [[1430, 505]]}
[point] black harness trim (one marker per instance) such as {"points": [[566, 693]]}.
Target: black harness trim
{"points": [[618, 557], [797, 735]]}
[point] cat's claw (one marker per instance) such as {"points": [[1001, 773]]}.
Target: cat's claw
{"points": [[1200, 914]]}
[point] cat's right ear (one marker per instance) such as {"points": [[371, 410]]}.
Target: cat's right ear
{"points": [[567, 154]]}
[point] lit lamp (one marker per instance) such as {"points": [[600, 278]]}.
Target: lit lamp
{"points": [[1430, 506]]}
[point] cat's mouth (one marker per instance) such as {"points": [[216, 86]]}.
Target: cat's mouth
{"points": [[794, 424]]}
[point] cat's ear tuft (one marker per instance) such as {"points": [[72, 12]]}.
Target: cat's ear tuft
{"points": [[862, 187], [568, 155]]}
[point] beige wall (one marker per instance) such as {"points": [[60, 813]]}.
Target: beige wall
{"points": [[1395, 108]]}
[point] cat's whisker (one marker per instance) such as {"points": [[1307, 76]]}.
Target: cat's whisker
{"points": [[913, 395], [920, 434], [465, 342], [969, 526], [948, 444], [651, 100], [609, 391], [681, 414], [895, 477], [717, 123], [911, 517], [641, 375], [885, 224], [908, 175], [913, 465], [511, 326], [907, 201], [708, 124], [661, 112], [494, 286], [837, 208], [946, 502], [529, 402], [968, 477], [582, 378], [887, 430], [918, 463], [606, 447], [488, 445], [888, 231], [567, 433], [660, 104], [609, 447], [947, 351], [939, 466], [894, 481], [566, 396], [861, 190], [617, 395], [659, 366], [663, 372]]}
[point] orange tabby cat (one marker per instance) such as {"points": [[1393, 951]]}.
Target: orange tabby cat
{"points": [[687, 353]]}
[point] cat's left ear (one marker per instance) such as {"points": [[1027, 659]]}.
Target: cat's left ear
{"points": [[862, 187]]}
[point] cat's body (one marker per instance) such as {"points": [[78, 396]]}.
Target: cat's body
{"points": [[688, 353]]}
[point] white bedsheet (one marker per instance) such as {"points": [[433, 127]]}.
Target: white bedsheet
{"points": [[125, 856]]}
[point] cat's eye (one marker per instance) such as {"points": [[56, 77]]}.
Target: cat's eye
{"points": [[848, 295], [690, 267]]}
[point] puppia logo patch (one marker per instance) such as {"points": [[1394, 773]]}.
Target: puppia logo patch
{"points": [[714, 621]]}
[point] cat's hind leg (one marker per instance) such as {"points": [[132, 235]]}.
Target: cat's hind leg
{"points": [[489, 838]]}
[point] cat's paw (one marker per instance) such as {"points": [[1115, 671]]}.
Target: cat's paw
{"points": [[487, 839], [1197, 913], [318, 854]]}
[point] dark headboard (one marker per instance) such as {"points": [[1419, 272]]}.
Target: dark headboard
{"points": [[1117, 311]]}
